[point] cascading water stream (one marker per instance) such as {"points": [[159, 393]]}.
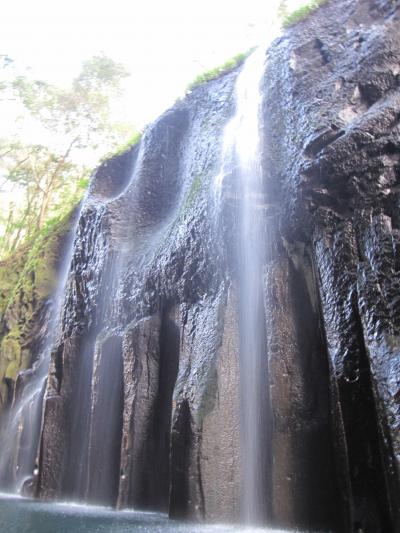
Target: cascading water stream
{"points": [[20, 432], [241, 159], [253, 375], [95, 436]]}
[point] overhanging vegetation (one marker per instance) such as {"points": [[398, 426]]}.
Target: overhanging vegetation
{"points": [[216, 72], [302, 13]]}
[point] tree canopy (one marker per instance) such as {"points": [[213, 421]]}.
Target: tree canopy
{"points": [[45, 176]]}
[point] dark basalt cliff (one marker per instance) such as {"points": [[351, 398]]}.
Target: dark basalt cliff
{"points": [[142, 404], [333, 158]]}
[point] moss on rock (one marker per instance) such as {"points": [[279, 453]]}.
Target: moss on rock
{"points": [[302, 13], [27, 280], [12, 371], [216, 72]]}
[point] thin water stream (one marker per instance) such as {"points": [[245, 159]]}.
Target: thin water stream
{"points": [[20, 431], [251, 244]]}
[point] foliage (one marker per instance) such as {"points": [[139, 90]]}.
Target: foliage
{"points": [[37, 259], [47, 183], [81, 112], [301, 13], [133, 140], [5, 61], [27, 279], [10, 270], [219, 71], [50, 175]]}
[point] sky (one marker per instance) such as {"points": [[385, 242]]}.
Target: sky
{"points": [[163, 44]]}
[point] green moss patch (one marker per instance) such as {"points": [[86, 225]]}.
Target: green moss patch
{"points": [[11, 349], [27, 279], [216, 72], [194, 190], [301, 13], [133, 140], [10, 271], [37, 278], [12, 371]]}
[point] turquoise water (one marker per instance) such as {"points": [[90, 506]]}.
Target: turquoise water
{"points": [[20, 515]]}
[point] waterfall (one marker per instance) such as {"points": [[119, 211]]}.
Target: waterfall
{"points": [[94, 440], [20, 432], [251, 242], [241, 160], [94, 401]]}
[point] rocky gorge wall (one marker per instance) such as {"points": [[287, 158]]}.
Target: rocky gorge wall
{"points": [[335, 155], [142, 405]]}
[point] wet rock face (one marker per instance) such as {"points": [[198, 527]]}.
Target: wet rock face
{"points": [[143, 399], [135, 373], [151, 349], [336, 156]]}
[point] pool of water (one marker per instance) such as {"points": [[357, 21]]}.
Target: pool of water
{"points": [[20, 515]]}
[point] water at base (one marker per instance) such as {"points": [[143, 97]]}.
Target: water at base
{"points": [[20, 515]]}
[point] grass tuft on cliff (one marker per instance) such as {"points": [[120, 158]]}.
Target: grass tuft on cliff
{"points": [[132, 141], [216, 72], [302, 13]]}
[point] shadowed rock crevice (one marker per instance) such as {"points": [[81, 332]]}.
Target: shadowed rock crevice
{"points": [[302, 456], [366, 463], [181, 450], [54, 451], [78, 425], [106, 423], [151, 355], [112, 177], [169, 361], [353, 392], [141, 353]]}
